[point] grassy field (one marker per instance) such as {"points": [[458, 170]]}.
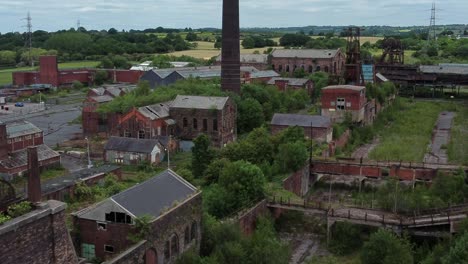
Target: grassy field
{"points": [[6, 74], [206, 50], [458, 148], [408, 135]]}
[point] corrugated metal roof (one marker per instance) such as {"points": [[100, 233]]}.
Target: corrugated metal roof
{"points": [[21, 128], [291, 81], [152, 197], [199, 102], [156, 111], [305, 53], [301, 120], [264, 74], [135, 145], [20, 158], [102, 98], [444, 69], [250, 58], [347, 87]]}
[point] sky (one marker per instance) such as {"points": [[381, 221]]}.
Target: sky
{"points": [[52, 15]]}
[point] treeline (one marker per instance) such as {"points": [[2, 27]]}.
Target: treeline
{"points": [[301, 40], [90, 45]]}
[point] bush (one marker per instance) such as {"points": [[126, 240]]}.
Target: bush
{"points": [[4, 218], [19, 209]]}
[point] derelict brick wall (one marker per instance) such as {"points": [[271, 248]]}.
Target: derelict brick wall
{"points": [[42, 240], [298, 182], [247, 221], [174, 222]]}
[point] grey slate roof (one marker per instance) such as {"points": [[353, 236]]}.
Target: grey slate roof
{"points": [[199, 102], [291, 81], [152, 197], [21, 128], [156, 111], [264, 74], [301, 120], [347, 87], [134, 145], [20, 158], [305, 53], [250, 58]]}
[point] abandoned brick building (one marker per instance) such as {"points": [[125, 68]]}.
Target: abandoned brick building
{"points": [[318, 128], [309, 60], [94, 122], [49, 73], [174, 206], [133, 151], [15, 138], [338, 100], [213, 116], [285, 84], [146, 122], [259, 61]]}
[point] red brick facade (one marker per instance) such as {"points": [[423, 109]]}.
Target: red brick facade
{"points": [[50, 74], [136, 125], [339, 100], [333, 65]]}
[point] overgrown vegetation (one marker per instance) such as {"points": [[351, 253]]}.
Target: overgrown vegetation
{"points": [[458, 147], [224, 243]]}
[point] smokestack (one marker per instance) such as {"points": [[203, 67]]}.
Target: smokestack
{"points": [[34, 180], [230, 50], [3, 142]]}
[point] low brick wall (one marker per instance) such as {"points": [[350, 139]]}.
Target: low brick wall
{"points": [[40, 236], [298, 182], [248, 219]]}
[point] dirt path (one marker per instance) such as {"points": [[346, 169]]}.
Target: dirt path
{"points": [[363, 151], [440, 139], [304, 247]]}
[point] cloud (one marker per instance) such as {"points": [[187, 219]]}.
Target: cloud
{"points": [[140, 14]]}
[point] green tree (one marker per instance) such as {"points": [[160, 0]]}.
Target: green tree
{"points": [[291, 156], [7, 57], [250, 115], [248, 43], [458, 251], [384, 247], [101, 77], [346, 238], [202, 155], [191, 36]]}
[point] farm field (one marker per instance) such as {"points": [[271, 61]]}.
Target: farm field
{"points": [[206, 50], [6, 78], [407, 136]]}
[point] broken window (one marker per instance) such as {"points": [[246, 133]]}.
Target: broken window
{"points": [[311, 69], [117, 217], [215, 124], [102, 226], [205, 125], [340, 103], [186, 235], [195, 123], [167, 252], [109, 248], [174, 245], [141, 134], [88, 251], [193, 234], [185, 122]]}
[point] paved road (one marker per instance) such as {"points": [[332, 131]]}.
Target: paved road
{"points": [[54, 122]]}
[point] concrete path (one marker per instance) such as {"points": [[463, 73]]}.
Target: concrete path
{"points": [[440, 139], [363, 151]]}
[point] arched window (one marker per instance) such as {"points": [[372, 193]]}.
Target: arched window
{"points": [[318, 68], [185, 122], [326, 69], [174, 246], [167, 250], [280, 68], [193, 232], [195, 123], [187, 235], [287, 68], [302, 67], [334, 68], [311, 68], [273, 67]]}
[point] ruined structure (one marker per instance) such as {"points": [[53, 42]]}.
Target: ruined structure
{"points": [[353, 73], [230, 51], [393, 53]]}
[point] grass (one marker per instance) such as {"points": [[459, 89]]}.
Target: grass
{"points": [[458, 147], [53, 173], [407, 136]]}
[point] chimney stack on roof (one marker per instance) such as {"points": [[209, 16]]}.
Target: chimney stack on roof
{"points": [[34, 180], [230, 49], [3, 141]]}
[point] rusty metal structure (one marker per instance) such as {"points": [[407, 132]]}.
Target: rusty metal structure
{"points": [[392, 52], [353, 66], [230, 50]]}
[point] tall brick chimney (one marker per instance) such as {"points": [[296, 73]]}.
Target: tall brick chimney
{"points": [[230, 50], [34, 180], [3, 142]]}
